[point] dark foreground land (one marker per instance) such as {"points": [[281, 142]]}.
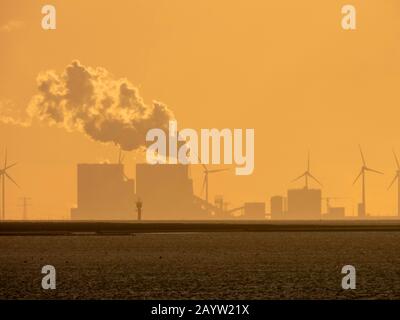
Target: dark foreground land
{"points": [[127, 228], [203, 265]]}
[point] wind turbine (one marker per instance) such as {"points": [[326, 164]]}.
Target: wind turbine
{"points": [[364, 169], [205, 181], [397, 176], [3, 176], [307, 174]]}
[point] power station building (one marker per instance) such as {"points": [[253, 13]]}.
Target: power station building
{"points": [[304, 204], [335, 213], [167, 193], [254, 210], [104, 193], [277, 207]]}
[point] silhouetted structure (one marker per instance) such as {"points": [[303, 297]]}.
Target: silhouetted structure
{"points": [[254, 210], [219, 202], [277, 207], [3, 176], [25, 204], [167, 191], [397, 177], [104, 193], [206, 180], [361, 210], [362, 207], [307, 174], [139, 205], [304, 204], [333, 212]]}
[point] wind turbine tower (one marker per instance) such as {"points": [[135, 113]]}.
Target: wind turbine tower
{"points": [[305, 203], [307, 174], [362, 209], [3, 176], [397, 177], [206, 172]]}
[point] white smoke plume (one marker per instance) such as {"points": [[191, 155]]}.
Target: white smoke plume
{"points": [[92, 101]]}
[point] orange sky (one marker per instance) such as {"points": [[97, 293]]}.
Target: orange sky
{"points": [[284, 68]]}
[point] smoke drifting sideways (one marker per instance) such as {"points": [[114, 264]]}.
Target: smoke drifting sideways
{"points": [[91, 101]]}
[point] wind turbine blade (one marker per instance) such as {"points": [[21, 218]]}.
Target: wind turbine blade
{"points": [[203, 165], [394, 179], [217, 170], [299, 177], [10, 166], [372, 170], [362, 155], [397, 160], [5, 159], [308, 161], [312, 177], [359, 175], [9, 177]]}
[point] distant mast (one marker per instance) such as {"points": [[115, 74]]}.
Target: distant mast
{"points": [[139, 205]]}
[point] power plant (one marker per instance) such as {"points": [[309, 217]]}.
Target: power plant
{"points": [[104, 193], [165, 191]]}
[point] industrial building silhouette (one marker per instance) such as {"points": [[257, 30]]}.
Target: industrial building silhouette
{"points": [[165, 192], [104, 193], [302, 203], [305, 203]]}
